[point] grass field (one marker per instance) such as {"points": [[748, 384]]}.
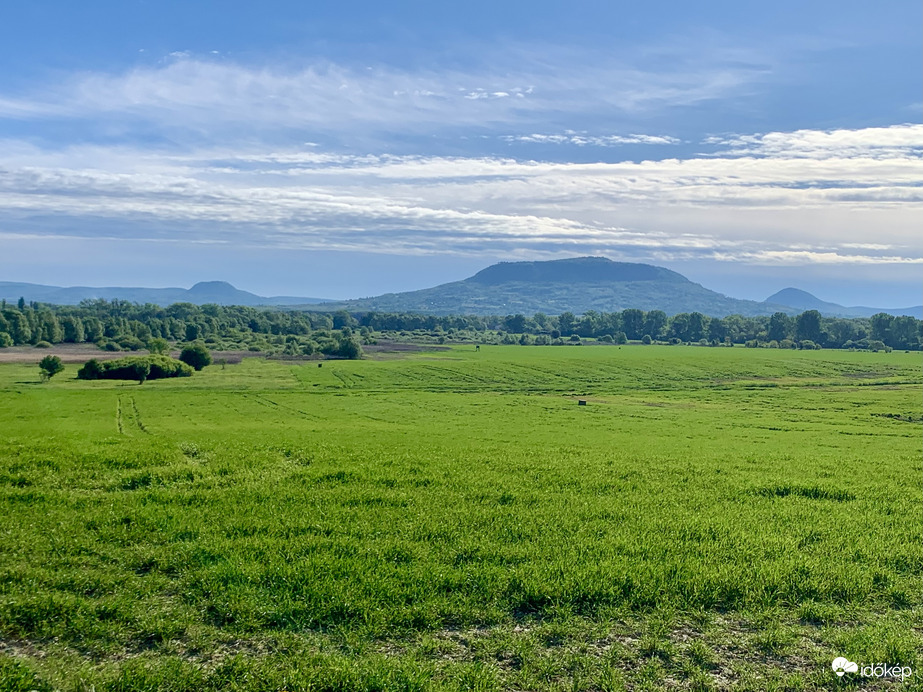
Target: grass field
{"points": [[713, 518]]}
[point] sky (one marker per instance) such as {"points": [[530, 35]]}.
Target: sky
{"points": [[350, 149]]}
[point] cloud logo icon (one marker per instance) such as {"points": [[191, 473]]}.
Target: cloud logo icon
{"points": [[844, 665]]}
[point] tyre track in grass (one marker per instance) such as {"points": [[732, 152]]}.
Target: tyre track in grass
{"points": [[269, 403]]}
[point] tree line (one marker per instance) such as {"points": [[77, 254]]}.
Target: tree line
{"points": [[122, 325]]}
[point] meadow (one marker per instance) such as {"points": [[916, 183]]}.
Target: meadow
{"points": [[712, 518]]}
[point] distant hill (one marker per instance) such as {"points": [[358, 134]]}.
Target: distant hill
{"points": [[575, 285], [803, 300], [569, 285], [219, 292]]}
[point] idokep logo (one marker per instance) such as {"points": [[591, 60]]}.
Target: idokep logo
{"points": [[841, 666]]}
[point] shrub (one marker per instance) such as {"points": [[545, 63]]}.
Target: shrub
{"points": [[130, 343], [138, 368], [621, 338], [158, 346], [196, 355], [50, 366], [647, 340], [90, 370], [5, 340], [807, 345], [43, 344]]}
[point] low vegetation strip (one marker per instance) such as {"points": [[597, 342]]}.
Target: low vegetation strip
{"points": [[454, 520], [134, 368]]}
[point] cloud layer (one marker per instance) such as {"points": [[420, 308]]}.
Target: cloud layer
{"points": [[201, 151], [787, 198]]}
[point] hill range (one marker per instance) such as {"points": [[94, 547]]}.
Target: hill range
{"points": [[219, 292], [552, 287]]}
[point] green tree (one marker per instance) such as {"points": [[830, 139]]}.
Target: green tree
{"points": [[140, 371], [73, 329], [196, 355], [566, 323], [158, 346], [49, 366], [342, 318], [633, 323], [655, 322], [780, 326], [807, 326], [350, 348]]}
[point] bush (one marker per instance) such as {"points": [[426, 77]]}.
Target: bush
{"points": [[138, 368], [5, 340], [647, 340], [130, 343], [90, 370], [196, 355], [158, 346], [43, 344], [807, 345], [50, 366]]}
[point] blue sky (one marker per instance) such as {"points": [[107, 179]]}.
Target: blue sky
{"points": [[361, 148]]}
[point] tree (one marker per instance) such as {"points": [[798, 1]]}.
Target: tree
{"points": [[780, 326], [566, 323], [49, 367], [654, 323], [158, 346], [350, 348], [807, 326], [140, 371], [633, 323], [196, 355]]}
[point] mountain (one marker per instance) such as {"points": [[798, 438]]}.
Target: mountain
{"points": [[803, 300], [219, 292], [575, 285]]}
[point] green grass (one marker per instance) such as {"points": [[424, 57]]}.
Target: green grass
{"points": [[712, 519]]}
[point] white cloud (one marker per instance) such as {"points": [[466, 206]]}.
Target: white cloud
{"points": [[584, 139], [767, 209], [194, 94], [872, 142]]}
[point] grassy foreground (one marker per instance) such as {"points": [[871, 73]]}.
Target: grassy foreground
{"points": [[712, 519]]}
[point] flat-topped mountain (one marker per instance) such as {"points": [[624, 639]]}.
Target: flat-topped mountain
{"points": [[568, 285], [574, 270]]}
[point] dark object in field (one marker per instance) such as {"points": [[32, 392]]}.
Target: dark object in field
{"points": [[320, 365], [581, 402]]}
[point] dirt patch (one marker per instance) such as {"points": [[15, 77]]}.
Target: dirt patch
{"points": [[68, 353]]}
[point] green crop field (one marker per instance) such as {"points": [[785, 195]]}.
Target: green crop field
{"points": [[712, 518]]}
